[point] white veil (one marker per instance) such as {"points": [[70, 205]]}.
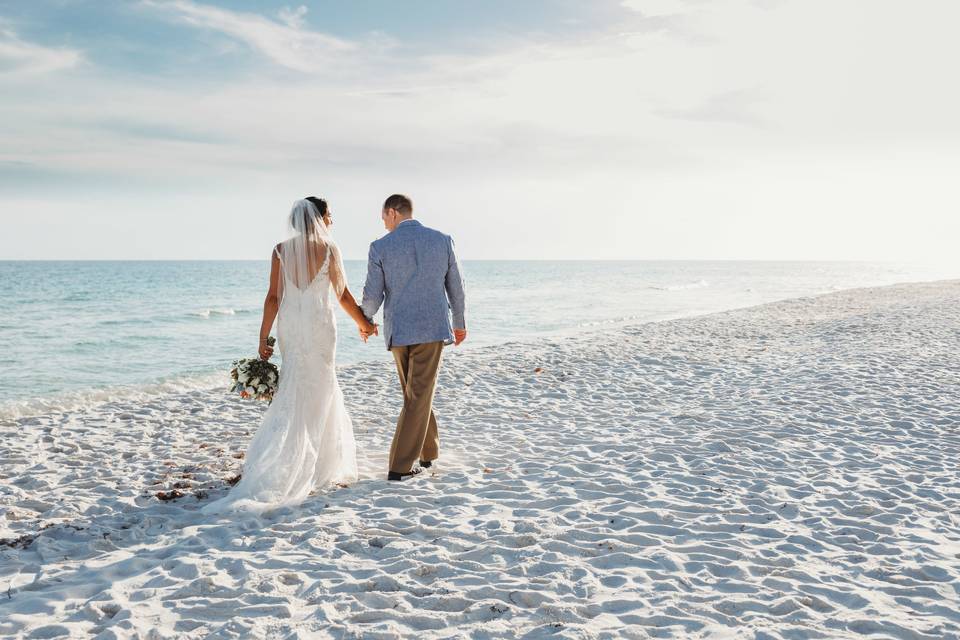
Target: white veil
{"points": [[309, 245]]}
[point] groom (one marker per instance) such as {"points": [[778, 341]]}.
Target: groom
{"points": [[413, 272]]}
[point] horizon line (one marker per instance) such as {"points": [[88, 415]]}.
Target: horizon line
{"points": [[883, 260]]}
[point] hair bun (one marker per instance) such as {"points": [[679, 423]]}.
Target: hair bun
{"points": [[319, 203]]}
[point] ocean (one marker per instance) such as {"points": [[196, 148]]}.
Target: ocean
{"points": [[87, 331]]}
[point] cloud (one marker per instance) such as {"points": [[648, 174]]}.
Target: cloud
{"points": [[694, 21], [293, 18], [731, 107], [20, 57], [148, 130], [661, 7], [679, 7], [287, 43]]}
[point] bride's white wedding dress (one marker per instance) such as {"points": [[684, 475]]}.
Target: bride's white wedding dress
{"points": [[306, 438]]}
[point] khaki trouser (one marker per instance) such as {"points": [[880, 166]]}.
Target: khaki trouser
{"points": [[416, 437]]}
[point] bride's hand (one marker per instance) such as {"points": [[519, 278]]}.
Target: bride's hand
{"points": [[265, 350]]}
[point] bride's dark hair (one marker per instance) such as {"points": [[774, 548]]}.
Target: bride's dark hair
{"points": [[308, 222], [319, 203]]}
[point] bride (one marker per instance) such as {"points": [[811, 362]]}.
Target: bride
{"points": [[306, 438]]}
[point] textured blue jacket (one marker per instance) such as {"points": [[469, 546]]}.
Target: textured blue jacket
{"points": [[413, 271]]}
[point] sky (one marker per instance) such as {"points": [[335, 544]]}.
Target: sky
{"points": [[541, 129]]}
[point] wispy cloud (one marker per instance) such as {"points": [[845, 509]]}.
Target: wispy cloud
{"points": [[661, 7], [680, 7], [285, 41], [20, 57], [693, 21], [731, 107], [294, 18]]}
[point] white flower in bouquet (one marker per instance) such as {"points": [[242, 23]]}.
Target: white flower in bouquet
{"points": [[255, 378]]}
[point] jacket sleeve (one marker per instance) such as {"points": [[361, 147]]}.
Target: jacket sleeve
{"points": [[373, 288], [454, 286]]}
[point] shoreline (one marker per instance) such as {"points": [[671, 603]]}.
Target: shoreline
{"points": [[777, 471], [87, 399]]}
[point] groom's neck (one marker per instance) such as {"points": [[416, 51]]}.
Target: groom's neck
{"points": [[402, 220]]}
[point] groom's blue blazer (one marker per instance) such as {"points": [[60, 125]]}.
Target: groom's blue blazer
{"points": [[413, 271]]}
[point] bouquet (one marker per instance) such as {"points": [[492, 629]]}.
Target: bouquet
{"points": [[255, 378]]}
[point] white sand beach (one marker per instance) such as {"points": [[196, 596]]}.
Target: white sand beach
{"points": [[784, 471]]}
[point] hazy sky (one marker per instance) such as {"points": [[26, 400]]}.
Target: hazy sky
{"points": [[647, 129]]}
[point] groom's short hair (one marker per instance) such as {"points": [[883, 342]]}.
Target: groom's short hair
{"points": [[401, 203]]}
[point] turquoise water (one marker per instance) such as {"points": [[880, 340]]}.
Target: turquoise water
{"points": [[72, 328]]}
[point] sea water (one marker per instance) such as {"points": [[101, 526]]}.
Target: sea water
{"points": [[80, 331]]}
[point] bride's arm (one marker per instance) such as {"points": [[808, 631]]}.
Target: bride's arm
{"points": [[271, 305], [353, 310]]}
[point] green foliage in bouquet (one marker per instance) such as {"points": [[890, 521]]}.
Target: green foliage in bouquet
{"points": [[255, 378]]}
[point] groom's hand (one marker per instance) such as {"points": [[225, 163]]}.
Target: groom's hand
{"points": [[459, 335], [365, 334]]}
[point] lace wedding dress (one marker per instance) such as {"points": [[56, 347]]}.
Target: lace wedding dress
{"points": [[305, 441]]}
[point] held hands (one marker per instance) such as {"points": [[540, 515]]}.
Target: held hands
{"points": [[368, 329]]}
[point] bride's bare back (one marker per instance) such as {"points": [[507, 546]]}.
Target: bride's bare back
{"points": [[302, 261]]}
